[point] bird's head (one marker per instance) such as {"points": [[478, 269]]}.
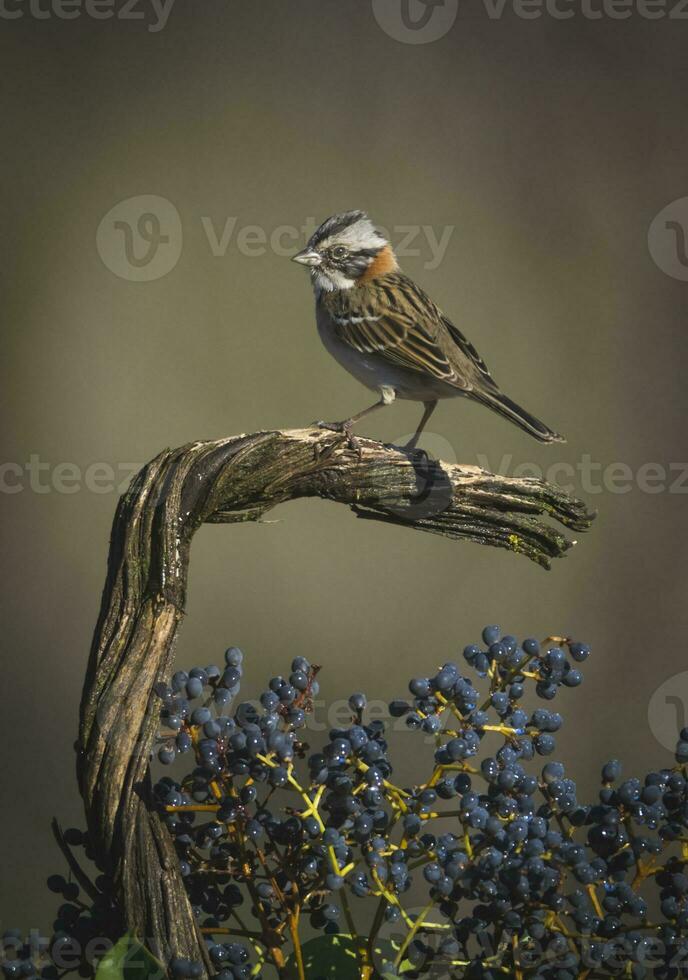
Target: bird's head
{"points": [[346, 250]]}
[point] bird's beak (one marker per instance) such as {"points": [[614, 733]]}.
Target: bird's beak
{"points": [[308, 256]]}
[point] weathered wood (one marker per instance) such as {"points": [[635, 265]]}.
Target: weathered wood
{"points": [[230, 480]]}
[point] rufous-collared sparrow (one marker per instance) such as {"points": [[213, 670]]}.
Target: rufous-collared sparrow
{"points": [[387, 332]]}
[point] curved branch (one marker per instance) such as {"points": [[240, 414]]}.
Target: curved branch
{"points": [[230, 480]]}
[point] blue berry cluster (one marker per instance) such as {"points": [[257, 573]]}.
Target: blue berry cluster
{"points": [[489, 867], [86, 918]]}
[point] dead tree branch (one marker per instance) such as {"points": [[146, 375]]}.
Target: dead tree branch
{"points": [[230, 480]]}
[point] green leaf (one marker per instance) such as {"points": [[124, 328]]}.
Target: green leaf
{"points": [[334, 958], [129, 960], [327, 957]]}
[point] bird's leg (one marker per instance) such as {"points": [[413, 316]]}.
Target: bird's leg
{"points": [[429, 408], [387, 396]]}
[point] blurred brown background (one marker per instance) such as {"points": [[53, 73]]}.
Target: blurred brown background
{"points": [[549, 145]]}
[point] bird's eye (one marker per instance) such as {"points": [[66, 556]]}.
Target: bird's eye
{"points": [[338, 252]]}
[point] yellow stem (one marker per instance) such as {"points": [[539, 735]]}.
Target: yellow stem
{"points": [[412, 932], [298, 953]]}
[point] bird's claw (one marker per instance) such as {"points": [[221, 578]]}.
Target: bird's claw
{"points": [[345, 430], [331, 426]]}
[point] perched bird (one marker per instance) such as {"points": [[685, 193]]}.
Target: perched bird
{"points": [[387, 332]]}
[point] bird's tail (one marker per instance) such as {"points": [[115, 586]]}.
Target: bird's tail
{"points": [[510, 410]]}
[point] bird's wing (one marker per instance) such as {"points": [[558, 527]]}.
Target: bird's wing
{"points": [[467, 351], [398, 321]]}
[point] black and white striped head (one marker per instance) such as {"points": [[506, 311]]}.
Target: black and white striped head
{"points": [[342, 250]]}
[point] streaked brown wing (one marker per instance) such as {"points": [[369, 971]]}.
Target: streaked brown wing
{"points": [[406, 328], [399, 340]]}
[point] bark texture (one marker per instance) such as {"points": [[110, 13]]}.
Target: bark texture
{"points": [[225, 481]]}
